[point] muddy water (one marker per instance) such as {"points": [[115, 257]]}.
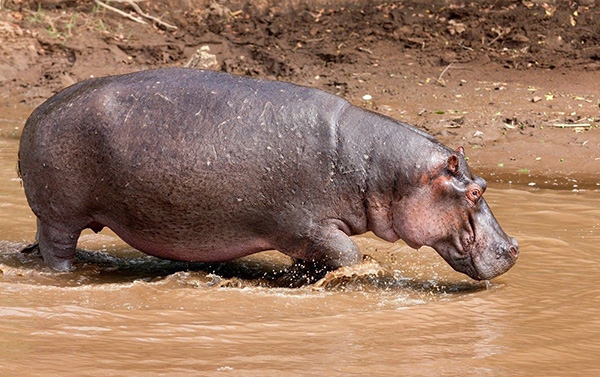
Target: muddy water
{"points": [[405, 313]]}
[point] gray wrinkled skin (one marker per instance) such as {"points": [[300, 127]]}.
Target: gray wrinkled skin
{"points": [[203, 166]]}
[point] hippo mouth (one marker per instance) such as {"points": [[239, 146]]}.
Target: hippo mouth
{"points": [[458, 258], [467, 239], [465, 264], [479, 262], [458, 252], [461, 257]]}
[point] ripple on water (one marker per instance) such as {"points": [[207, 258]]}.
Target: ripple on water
{"points": [[129, 269], [400, 302]]}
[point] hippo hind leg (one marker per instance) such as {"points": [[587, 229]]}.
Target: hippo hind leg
{"points": [[33, 247], [57, 245]]}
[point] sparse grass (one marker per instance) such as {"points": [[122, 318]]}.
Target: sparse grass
{"points": [[36, 17], [72, 23], [64, 25], [56, 34], [101, 27], [42, 18]]}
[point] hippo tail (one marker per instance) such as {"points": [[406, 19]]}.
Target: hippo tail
{"points": [[18, 168]]}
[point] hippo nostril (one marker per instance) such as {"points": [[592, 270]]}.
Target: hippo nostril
{"points": [[514, 252], [514, 242]]}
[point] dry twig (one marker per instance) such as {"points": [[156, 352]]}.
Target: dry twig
{"points": [[501, 33], [120, 12], [566, 125], [439, 79], [139, 10]]}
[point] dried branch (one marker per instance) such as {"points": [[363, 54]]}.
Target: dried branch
{"points": [[439, 80], [120, 12], [139, 11]]}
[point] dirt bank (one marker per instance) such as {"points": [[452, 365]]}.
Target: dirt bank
{"points": [[515, 82]]}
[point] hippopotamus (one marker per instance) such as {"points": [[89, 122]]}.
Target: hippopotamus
{"points": [[205, 166]]}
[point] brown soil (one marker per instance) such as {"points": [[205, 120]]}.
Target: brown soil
{"points": [[515, 82]]}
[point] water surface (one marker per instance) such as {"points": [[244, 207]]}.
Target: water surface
{"points": [[405, 313]]}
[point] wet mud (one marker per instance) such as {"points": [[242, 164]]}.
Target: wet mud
{"points": [[513, 82]]}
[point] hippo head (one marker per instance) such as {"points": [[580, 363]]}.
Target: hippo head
{"points": [[446, 211]]}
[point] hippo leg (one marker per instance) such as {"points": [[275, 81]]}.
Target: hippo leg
{"points": [[57, 246], [328, 250], [333, 249]]}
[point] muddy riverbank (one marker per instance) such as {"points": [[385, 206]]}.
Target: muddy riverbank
{"points": [[514, 82]]}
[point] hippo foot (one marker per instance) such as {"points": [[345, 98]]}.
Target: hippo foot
{"points": [[57, 246], [301, 273], [328, 249], [56, 263], [59, 264]]}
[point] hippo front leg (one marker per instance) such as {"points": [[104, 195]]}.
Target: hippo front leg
{"points": [[325, 250], [332, 248]]}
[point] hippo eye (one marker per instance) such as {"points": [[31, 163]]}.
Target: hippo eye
{"points": [[474, 194]]}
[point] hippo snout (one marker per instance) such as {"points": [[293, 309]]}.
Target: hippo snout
{"points": [[489, 264]]}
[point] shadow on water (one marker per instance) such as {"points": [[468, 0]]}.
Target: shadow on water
{"points": [[98, 267]]}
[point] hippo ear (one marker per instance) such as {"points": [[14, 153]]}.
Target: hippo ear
{"points": [[452, 164], [461, 150]]}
